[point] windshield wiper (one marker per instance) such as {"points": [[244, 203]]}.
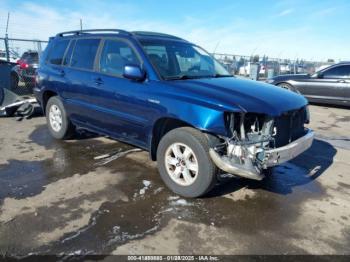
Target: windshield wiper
{"points": [[181, 77], [219, 75], [184, 77]]}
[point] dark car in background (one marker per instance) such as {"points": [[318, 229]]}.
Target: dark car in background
{"points": [[330, 85], [25, 70]]}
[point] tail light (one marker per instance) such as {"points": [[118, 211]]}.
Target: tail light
{"points": [[22, 64]]}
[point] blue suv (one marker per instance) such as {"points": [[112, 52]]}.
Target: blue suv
{"points": [[170, 97]]}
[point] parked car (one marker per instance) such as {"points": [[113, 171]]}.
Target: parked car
{"points": [[25, 69], [170, 97], [330, 85]]}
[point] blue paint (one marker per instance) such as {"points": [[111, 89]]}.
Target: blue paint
{"points": [[127, 109]]}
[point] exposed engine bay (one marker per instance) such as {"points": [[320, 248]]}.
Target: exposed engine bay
{"points": [[257, 142]]}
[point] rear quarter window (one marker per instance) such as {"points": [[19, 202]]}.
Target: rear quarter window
{"points": [[57, 51], [84, 53]]}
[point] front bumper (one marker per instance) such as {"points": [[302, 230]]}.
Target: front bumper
{"points": [[273, 157], [285, 153]]}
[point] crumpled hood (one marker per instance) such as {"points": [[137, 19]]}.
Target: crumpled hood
{"points": [[233, 93]]}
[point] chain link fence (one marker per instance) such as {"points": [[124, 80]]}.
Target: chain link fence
{"points": [[266, 67], [19, 60]]}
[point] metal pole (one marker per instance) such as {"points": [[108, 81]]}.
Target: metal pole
{"points": [[6, 38], [81, 24], [39, 47]]}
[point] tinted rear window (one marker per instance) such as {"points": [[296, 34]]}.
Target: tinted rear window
{"points": [[84, 53], [68, 55], [57, 52], [30, 57]]}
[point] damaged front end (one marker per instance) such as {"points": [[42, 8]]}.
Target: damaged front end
{"points": [[257, 142]]}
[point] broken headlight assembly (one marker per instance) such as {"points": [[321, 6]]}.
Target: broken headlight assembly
{"points": [[243, 151], [257, 141]]}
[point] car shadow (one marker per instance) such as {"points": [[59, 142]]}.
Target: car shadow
{"points": [[284, 178]]}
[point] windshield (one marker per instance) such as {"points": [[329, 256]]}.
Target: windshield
{"points": [[177, 60]]}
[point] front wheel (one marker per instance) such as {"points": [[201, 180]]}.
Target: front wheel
{"points": [[184, 162], [58, 123], [288, 87]]}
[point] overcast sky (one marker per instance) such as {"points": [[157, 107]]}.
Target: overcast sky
{"points": [[309, 29]]}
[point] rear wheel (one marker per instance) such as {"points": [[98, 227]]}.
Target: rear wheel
{"points": [[58, 123], [184, 162]]}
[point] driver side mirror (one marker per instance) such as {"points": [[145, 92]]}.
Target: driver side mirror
{"points": [[319, 75], [134, 72]]}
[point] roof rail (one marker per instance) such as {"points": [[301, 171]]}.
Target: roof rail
{"points": [[85, 31], [147, 33]]}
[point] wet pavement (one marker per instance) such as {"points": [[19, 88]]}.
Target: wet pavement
{"points": [[93, 195]]}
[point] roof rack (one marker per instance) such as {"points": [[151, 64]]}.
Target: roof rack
{"points": [[86, 31], [147, 33]]}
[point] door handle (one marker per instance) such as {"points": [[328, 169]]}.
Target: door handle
{"points": [[98, 81]]}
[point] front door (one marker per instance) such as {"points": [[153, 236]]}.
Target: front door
{"points": [[121, 105]]}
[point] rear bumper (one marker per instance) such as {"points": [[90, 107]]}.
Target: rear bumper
{"points": [[282, 154]]}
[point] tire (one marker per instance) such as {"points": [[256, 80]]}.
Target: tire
{"points": [[204, 179], [288, 87], [64, 130]]}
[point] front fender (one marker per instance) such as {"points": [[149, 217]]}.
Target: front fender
{"points": [[198, 111], [201, 116]]}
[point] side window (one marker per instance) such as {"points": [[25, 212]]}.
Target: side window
{"points": [[68, 55], [337, 72], [115, 55], [57, 51], [159, 57], [84, 53]]}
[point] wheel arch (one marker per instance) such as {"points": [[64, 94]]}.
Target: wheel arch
{"points": [[160, 128], [47, 94], [211, 124], [286, 82]]}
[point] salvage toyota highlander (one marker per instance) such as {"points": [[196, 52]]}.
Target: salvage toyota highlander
{"points": [[171, 98]]}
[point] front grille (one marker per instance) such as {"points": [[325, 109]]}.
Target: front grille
{"points": [[289, 127]]}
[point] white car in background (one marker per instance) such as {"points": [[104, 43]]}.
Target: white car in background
{"points": [[285, 68], [244, 70]]}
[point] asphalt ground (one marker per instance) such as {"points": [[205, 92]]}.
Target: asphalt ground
{"points": [[92, 195]]}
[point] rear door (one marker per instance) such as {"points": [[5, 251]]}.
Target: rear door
{"points": [[78, 70], [52, 73], [330, 84]]}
